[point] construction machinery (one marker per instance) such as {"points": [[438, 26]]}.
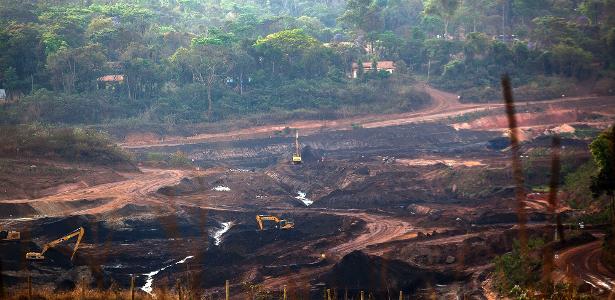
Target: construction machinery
{"points": [[79, 232], [279, 223], [297, 154], [9, 235]]}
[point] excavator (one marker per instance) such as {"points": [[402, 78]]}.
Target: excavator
{"points": [[79, 232], [280, 223], [9, 235], [297, 154]]}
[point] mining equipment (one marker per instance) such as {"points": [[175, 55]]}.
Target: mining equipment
{"points": [[297, 154], [9, 235], [41, 255], [280, 223]]}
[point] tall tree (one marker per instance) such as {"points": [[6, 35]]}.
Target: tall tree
{"points": [[443, 8], [364, 15], [207, 63], [76, 69], [285, 47], [603, 152]]}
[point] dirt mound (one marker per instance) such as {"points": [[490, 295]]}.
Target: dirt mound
{"points": [[34, 208], [309, 154], [16, 210], [385, 189], [358, 270], [46, 178], [185, 186], [129, 210], [551, 116]]}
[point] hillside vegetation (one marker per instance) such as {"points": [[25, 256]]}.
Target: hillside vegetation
{"points": [[190, 61], [64, 144]]}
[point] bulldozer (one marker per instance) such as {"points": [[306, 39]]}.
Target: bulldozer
{"points": [[79, 232], [9, 235], [279, 223], [297, 155]]}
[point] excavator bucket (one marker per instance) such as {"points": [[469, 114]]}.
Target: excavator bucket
{"points": [[34, 256]]}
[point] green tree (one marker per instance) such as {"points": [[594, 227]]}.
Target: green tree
{"points": [[104, 31], [76, 70], [143, 75], [20, 50], [206, 63], [388, 44], [516, 269], [610, 43], [475, 10], [476, 46], [443, 8], [285, 47], [603, 153], [10, 82], [552, 30], [363, 15], [571, 60]]}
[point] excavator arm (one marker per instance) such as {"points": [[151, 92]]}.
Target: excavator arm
{"points": [[297, 155], [283, 224], [79, 232], [261, 218]]}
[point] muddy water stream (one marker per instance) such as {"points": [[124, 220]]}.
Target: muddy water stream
{"points": [[217, 235], [149, 281]]}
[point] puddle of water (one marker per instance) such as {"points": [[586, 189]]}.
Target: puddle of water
{"points": [[218, 233], [221, 188], [301, 197], [149, 281]]}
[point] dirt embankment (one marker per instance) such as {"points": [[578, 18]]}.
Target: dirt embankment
{"points": [[406, 141], [444, 107], [146, 240], [133, 188], [382, 277], [30, 179]]}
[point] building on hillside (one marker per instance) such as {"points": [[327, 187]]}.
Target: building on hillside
{"points": [[109, 81], [383, 65]]}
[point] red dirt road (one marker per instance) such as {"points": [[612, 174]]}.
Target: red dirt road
{"points": [[444, 105], [582, 263], [135, 189], [378, 229]]}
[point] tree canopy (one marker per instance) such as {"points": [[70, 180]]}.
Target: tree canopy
{"points": [[205, 60]]}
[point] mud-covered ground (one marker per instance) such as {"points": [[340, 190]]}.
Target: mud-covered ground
{"points": [[421, 207]]}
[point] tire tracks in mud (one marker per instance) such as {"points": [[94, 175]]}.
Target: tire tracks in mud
{"points": [[134, 190], [378, 229], [582, 263], [139, 189]]}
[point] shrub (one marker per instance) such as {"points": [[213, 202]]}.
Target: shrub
{"points": [[513, 273], [69, 144], [179, 159]]}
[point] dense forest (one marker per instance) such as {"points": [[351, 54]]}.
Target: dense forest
{"points": [[188, 61]]}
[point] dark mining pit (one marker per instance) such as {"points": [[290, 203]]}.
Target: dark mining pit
{"points": [[164, 248]]}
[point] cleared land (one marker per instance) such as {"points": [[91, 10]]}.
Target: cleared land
{"points": [[410, 194]]}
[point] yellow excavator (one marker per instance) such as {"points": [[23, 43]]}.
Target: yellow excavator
{"points": [[79, 232], [9, 235], [280, 223], [297, 154]]}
